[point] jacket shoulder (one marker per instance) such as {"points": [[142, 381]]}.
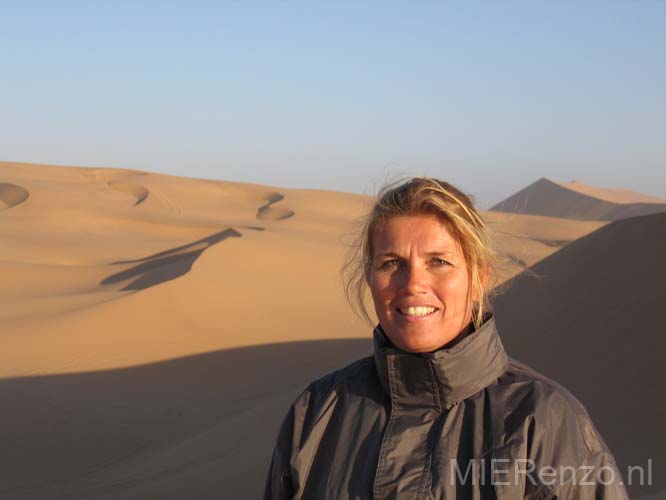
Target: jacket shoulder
{"points": [[323, 394], [350, 375], [359, 377], [543, 387]]}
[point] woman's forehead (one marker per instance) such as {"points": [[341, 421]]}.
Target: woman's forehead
{"points": [[427, 232]]}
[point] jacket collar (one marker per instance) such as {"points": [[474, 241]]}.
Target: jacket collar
{"points": [[442, 378]]}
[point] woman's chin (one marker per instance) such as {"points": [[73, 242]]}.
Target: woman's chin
{"points": [[420, 342]]}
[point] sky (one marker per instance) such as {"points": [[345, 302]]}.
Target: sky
{"points": [[488, 95]]}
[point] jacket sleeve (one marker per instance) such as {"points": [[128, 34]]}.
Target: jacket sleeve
{"points": [[596, 479], [584, 468], [604, 481], [279, 483]]}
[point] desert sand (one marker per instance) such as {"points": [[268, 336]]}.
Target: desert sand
{"points": [[154, 328]]}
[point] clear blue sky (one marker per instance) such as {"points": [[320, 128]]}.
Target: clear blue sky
{"points": [[490, 95]]}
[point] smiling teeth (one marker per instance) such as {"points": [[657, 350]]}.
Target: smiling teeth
{"points": [[417, 311]]}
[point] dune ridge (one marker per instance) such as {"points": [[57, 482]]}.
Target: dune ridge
{"points": [[620, 196]]}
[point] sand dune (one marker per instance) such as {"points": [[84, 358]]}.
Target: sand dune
{"points": [[579, 201], [216, 265], [202, 243], [149, 348], [589, 319]]}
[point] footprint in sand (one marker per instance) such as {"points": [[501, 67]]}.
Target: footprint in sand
{"points": [[11, 195], [139, 192], [269, 212]]}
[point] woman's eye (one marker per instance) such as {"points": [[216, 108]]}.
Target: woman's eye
{"points": [[388, 264], [439, 262]]}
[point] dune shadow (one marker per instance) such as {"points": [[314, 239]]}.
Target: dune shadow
{"points": [[186, 428], [268, 212], [207, 424], [12, 194], [139, 192], [166, 265]]}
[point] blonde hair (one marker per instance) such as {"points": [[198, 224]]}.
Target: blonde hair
{"points": [[423, 196]]}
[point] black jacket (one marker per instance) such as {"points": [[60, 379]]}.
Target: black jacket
{"points": [[464, 422]]}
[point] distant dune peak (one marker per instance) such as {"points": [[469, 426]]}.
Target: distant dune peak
{"points": [[12, 194], [575, 200]]}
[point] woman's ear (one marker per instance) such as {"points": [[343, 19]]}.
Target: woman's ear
{"points": [[484, 278], [484, 274]]}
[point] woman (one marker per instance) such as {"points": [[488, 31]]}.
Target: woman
{"points": [[439, 411]]}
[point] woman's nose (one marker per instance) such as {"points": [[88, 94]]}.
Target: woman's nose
{"points": [[415, 278]]}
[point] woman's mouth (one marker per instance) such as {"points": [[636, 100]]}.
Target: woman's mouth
{"points": [[417, 311]]}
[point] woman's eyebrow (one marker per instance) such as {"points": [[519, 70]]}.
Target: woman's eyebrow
{"points": [[386, 254], [435, 253]]}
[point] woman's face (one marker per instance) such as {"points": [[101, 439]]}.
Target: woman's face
{"points": [[419, 282]]}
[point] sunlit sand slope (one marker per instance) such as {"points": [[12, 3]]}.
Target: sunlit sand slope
{"points": [[524, 240], [579, 201], [590, 318], [163, 267], [113, 267]]}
